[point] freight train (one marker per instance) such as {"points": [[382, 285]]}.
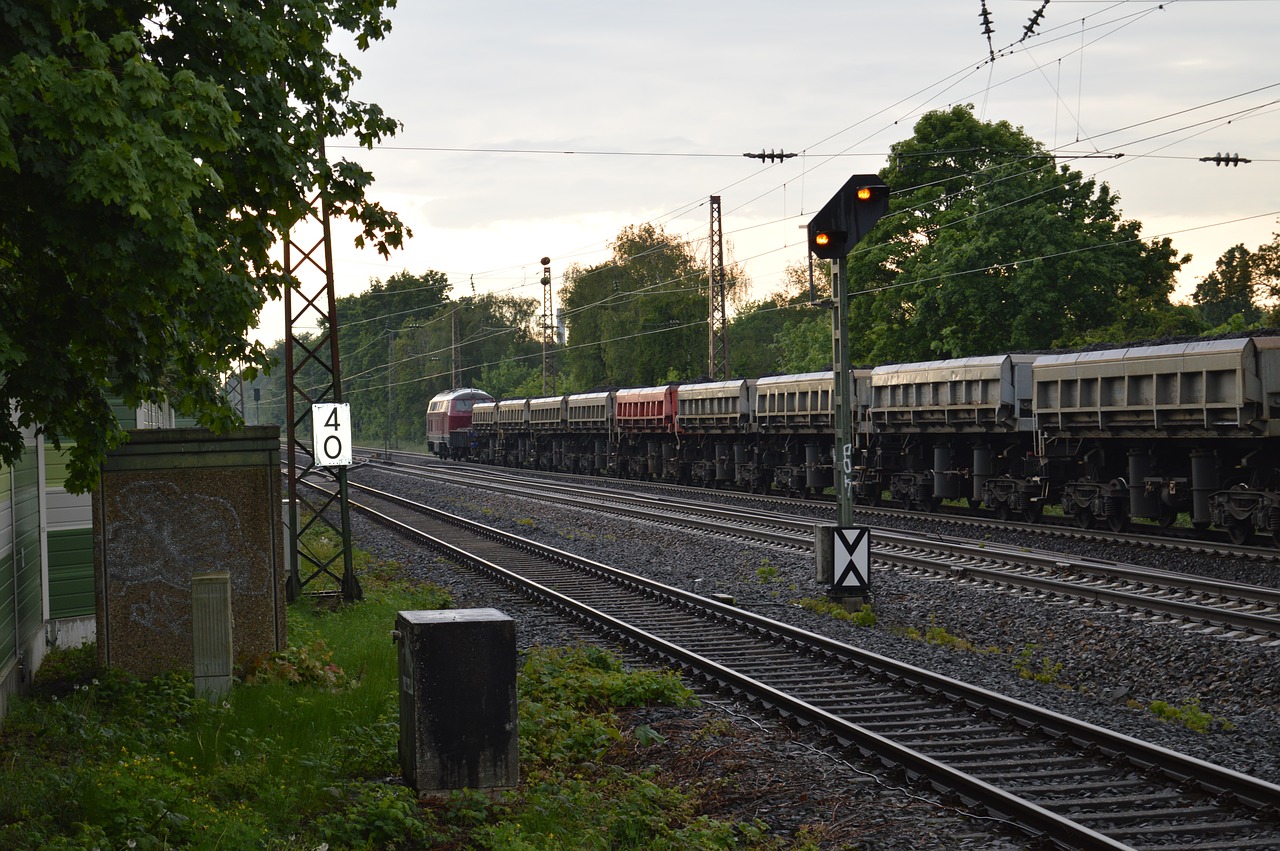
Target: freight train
{"points": [[1154, 431]]}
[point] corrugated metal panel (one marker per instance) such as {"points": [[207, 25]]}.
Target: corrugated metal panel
{"points": [[1201, 388], [67, 510], [27, 545], [126, 416], [71, 573], [8, 629]]}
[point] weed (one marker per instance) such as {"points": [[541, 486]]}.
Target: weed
{"points": [[938, 635], [1189, 715], [527, 522], [1049, 670], [863, 617]]}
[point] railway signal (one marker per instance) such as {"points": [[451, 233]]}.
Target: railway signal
{"points": [[841, 224], [848, 216]]}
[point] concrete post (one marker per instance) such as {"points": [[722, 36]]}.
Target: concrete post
{"points": [[458, 722]]}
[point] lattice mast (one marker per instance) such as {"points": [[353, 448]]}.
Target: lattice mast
{"points": [[314, 375], [548, 319], [717, 320]]}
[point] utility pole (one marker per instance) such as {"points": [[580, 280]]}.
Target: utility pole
{"points": [[308, 306], [717, 321], [386, 432], [547, 317], [392, 440], [455, 351]]}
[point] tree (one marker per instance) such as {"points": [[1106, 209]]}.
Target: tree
{"points": [[373, 327], [638, 318], [411, 324], [990, 247], [764, 338], [151, 155], [1266, 272], [1228, 290]]}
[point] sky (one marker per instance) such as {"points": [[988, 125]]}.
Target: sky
{"points": [[544, 129]]}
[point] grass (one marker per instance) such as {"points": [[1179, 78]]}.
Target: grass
{"points": [[303, 753]]}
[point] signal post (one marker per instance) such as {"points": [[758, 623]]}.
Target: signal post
{"points": [[843, 550]]}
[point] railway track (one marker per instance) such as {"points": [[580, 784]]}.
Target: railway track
{"points": [[1243, 612], [1072, 784], [967, 522]]}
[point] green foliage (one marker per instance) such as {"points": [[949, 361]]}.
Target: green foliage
{"points": [[1189, 715], [1227, 292], [804, 345], [374, 815], [639, 318], [1048, 672], [310, 665], [865, 616], [767, 572], [774, 335], [989, 247], [292, 762], [152, 155], [409, 322], [587, 676]]}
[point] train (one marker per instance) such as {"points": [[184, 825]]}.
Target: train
{"points": [[1153, 432], [449, 421]]}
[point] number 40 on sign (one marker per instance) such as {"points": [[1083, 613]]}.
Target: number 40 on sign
{"points": [[331, 425]]}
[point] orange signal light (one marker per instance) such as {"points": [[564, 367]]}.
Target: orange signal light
{"points": [[821, 239], [864, 193]]}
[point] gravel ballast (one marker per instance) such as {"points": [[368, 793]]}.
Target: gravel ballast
{"points": [[1093, 664]]}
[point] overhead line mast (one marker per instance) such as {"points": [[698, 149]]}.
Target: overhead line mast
{"points": [[717, 320], [313, 378]]}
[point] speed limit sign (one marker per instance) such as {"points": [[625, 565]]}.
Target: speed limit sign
{"points": [[331, 425]]}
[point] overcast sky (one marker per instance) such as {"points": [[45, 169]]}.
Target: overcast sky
{"points": [[658, 100]]}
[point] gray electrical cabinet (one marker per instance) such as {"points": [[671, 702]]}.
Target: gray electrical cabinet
{"points": [[458, 722]]}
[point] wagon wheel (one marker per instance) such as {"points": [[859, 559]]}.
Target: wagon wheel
{"points": [[1002, 510], [1118, 521], [1085, 518], [1239, 531], [1168, 516], [1032, 513], [974, 504]]}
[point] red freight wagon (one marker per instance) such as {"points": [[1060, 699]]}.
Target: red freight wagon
{"points": [[646, 409]]}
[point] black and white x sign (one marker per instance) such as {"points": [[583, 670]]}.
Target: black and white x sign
{"points": [[852, 555]]}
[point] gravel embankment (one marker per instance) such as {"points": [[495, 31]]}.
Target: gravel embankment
{"points": [[1102, 667]]}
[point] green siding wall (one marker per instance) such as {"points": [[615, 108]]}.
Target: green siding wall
{"points": [[26, 544], [71, 573], [55, 465], [126, 416], [8, 629], [69, 540]]}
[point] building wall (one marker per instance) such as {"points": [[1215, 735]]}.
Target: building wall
{"points": [[47, 594], [70, 524], [8, 581], [23, 565]]}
